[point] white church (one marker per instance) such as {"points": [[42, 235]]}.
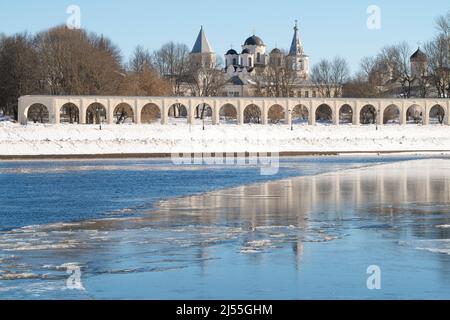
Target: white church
{"points": [[242, 69]]}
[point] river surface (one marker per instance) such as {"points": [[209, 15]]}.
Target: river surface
{"points": [[150, 229]]}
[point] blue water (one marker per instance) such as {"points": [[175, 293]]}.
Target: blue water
{"points": [[63, 191], [152, 230]]}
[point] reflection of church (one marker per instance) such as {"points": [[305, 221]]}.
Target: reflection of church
{"points": [[244, 70]]}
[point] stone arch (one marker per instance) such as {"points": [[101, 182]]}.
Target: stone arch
{"points": [[415, 114], [391, 114], [123, 113], [324, 113], [96, 113], [276, 114], [252, 114], [346, 114], [300, 114], [228, 114], [150, 113], [69, 113], [38, 113], [368, 114], [437, 114], [205, 113], [178, 113]]}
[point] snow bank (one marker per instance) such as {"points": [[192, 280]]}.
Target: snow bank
{"points": [[85, 140]]}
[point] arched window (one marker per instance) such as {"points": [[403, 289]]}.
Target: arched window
{"points": [[258, 57], [250, 61], [234, 61]]}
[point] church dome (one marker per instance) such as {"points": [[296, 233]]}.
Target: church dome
{"points": [[275, 51], [254, 41], [245, 51], [231, 52], [419, 55]]}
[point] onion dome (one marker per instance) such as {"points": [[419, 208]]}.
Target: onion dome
{"points": [[254, 41], [231, 52], [419, 55], [275, 51]]}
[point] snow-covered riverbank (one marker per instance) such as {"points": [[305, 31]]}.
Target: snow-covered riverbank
{"points": [[34, 140]]}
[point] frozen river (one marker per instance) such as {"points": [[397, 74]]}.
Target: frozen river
{"points": [[152, 230]]}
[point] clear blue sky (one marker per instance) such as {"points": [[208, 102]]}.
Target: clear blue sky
{"points": [[328, 28]]}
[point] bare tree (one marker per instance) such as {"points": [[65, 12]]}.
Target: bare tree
{"points": [[252, 114], [321, 77], [398, 58], [74, 62], [172, 62], [330, 76], [340, 74], [367, 82], [280, 77], [360, 87], [204, 81], [18, 70], [38, 113], [438, 52], [142, 79], [140, 61]]}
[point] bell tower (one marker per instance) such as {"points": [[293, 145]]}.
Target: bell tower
{"points": [[202, 53], [299, 60]]}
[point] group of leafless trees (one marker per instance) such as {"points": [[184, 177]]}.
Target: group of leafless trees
{"points": [[61, 61], [280, 79], [438, 53], [330, 76], [390, 73], [188, 75]]}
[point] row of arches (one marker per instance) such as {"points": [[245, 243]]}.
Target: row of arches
{"points": [[123, 113], [96, 113]]}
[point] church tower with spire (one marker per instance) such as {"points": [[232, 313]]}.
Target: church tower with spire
{"points": [[299, 60], [202, 52]]}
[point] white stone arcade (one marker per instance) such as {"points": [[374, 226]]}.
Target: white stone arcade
{"points": [[162, 105]]}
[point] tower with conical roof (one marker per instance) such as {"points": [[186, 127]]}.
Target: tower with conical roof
{"points": [[202, 52], [299, 61]]}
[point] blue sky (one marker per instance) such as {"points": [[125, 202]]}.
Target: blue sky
{"points": [[328, 28]]}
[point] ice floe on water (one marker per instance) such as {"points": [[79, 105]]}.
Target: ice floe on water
{"points": [[435, 250], [439, 246], [256, 246], [19, 276], [222, 228]]}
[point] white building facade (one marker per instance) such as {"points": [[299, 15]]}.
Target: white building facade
{"points": [[242, 69]]}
